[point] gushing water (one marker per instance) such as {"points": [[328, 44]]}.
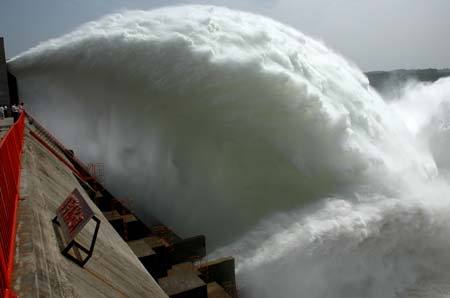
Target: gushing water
{"points": [[236, 126]]}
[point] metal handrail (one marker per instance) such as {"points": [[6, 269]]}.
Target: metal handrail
{"points": [[57, 143]]}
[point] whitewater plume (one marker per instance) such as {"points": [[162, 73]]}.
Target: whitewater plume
{"points": [[425, 109], [372, 246], [236, 126]]}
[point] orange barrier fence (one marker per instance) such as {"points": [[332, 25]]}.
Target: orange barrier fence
{"points": [[10, 157]]}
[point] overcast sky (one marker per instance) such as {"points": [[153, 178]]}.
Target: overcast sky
{"points": [[375, 34]]}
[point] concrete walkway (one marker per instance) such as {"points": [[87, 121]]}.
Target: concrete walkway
{"points": [[40, 269]]}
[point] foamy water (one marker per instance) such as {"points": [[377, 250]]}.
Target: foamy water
{"points": [[236, 126]]}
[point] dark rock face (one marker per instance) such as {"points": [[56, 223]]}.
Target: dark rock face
{"points": [[4, 91], [390, 82]]}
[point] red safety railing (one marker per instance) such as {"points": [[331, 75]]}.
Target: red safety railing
{"points": [[10, 157]]}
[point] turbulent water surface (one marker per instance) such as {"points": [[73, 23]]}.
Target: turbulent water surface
{"points": [[233, 125]]}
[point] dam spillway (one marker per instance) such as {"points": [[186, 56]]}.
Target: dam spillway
{"points": [[272, 145], [130, 258]]}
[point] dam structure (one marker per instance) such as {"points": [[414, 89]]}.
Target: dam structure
{"points": [[63, 234]]}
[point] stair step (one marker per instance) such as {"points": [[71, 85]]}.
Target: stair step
{"points": [[187, 283], [183, 267], [141, 248], [216, 291]]}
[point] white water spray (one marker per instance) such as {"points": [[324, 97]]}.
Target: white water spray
{"points": [[234, 125]]}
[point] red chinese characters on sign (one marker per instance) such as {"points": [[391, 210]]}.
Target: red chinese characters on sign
{"points": [[73, 214]]}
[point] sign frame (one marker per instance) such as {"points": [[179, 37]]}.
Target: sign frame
{"points": [[71, 217]]}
